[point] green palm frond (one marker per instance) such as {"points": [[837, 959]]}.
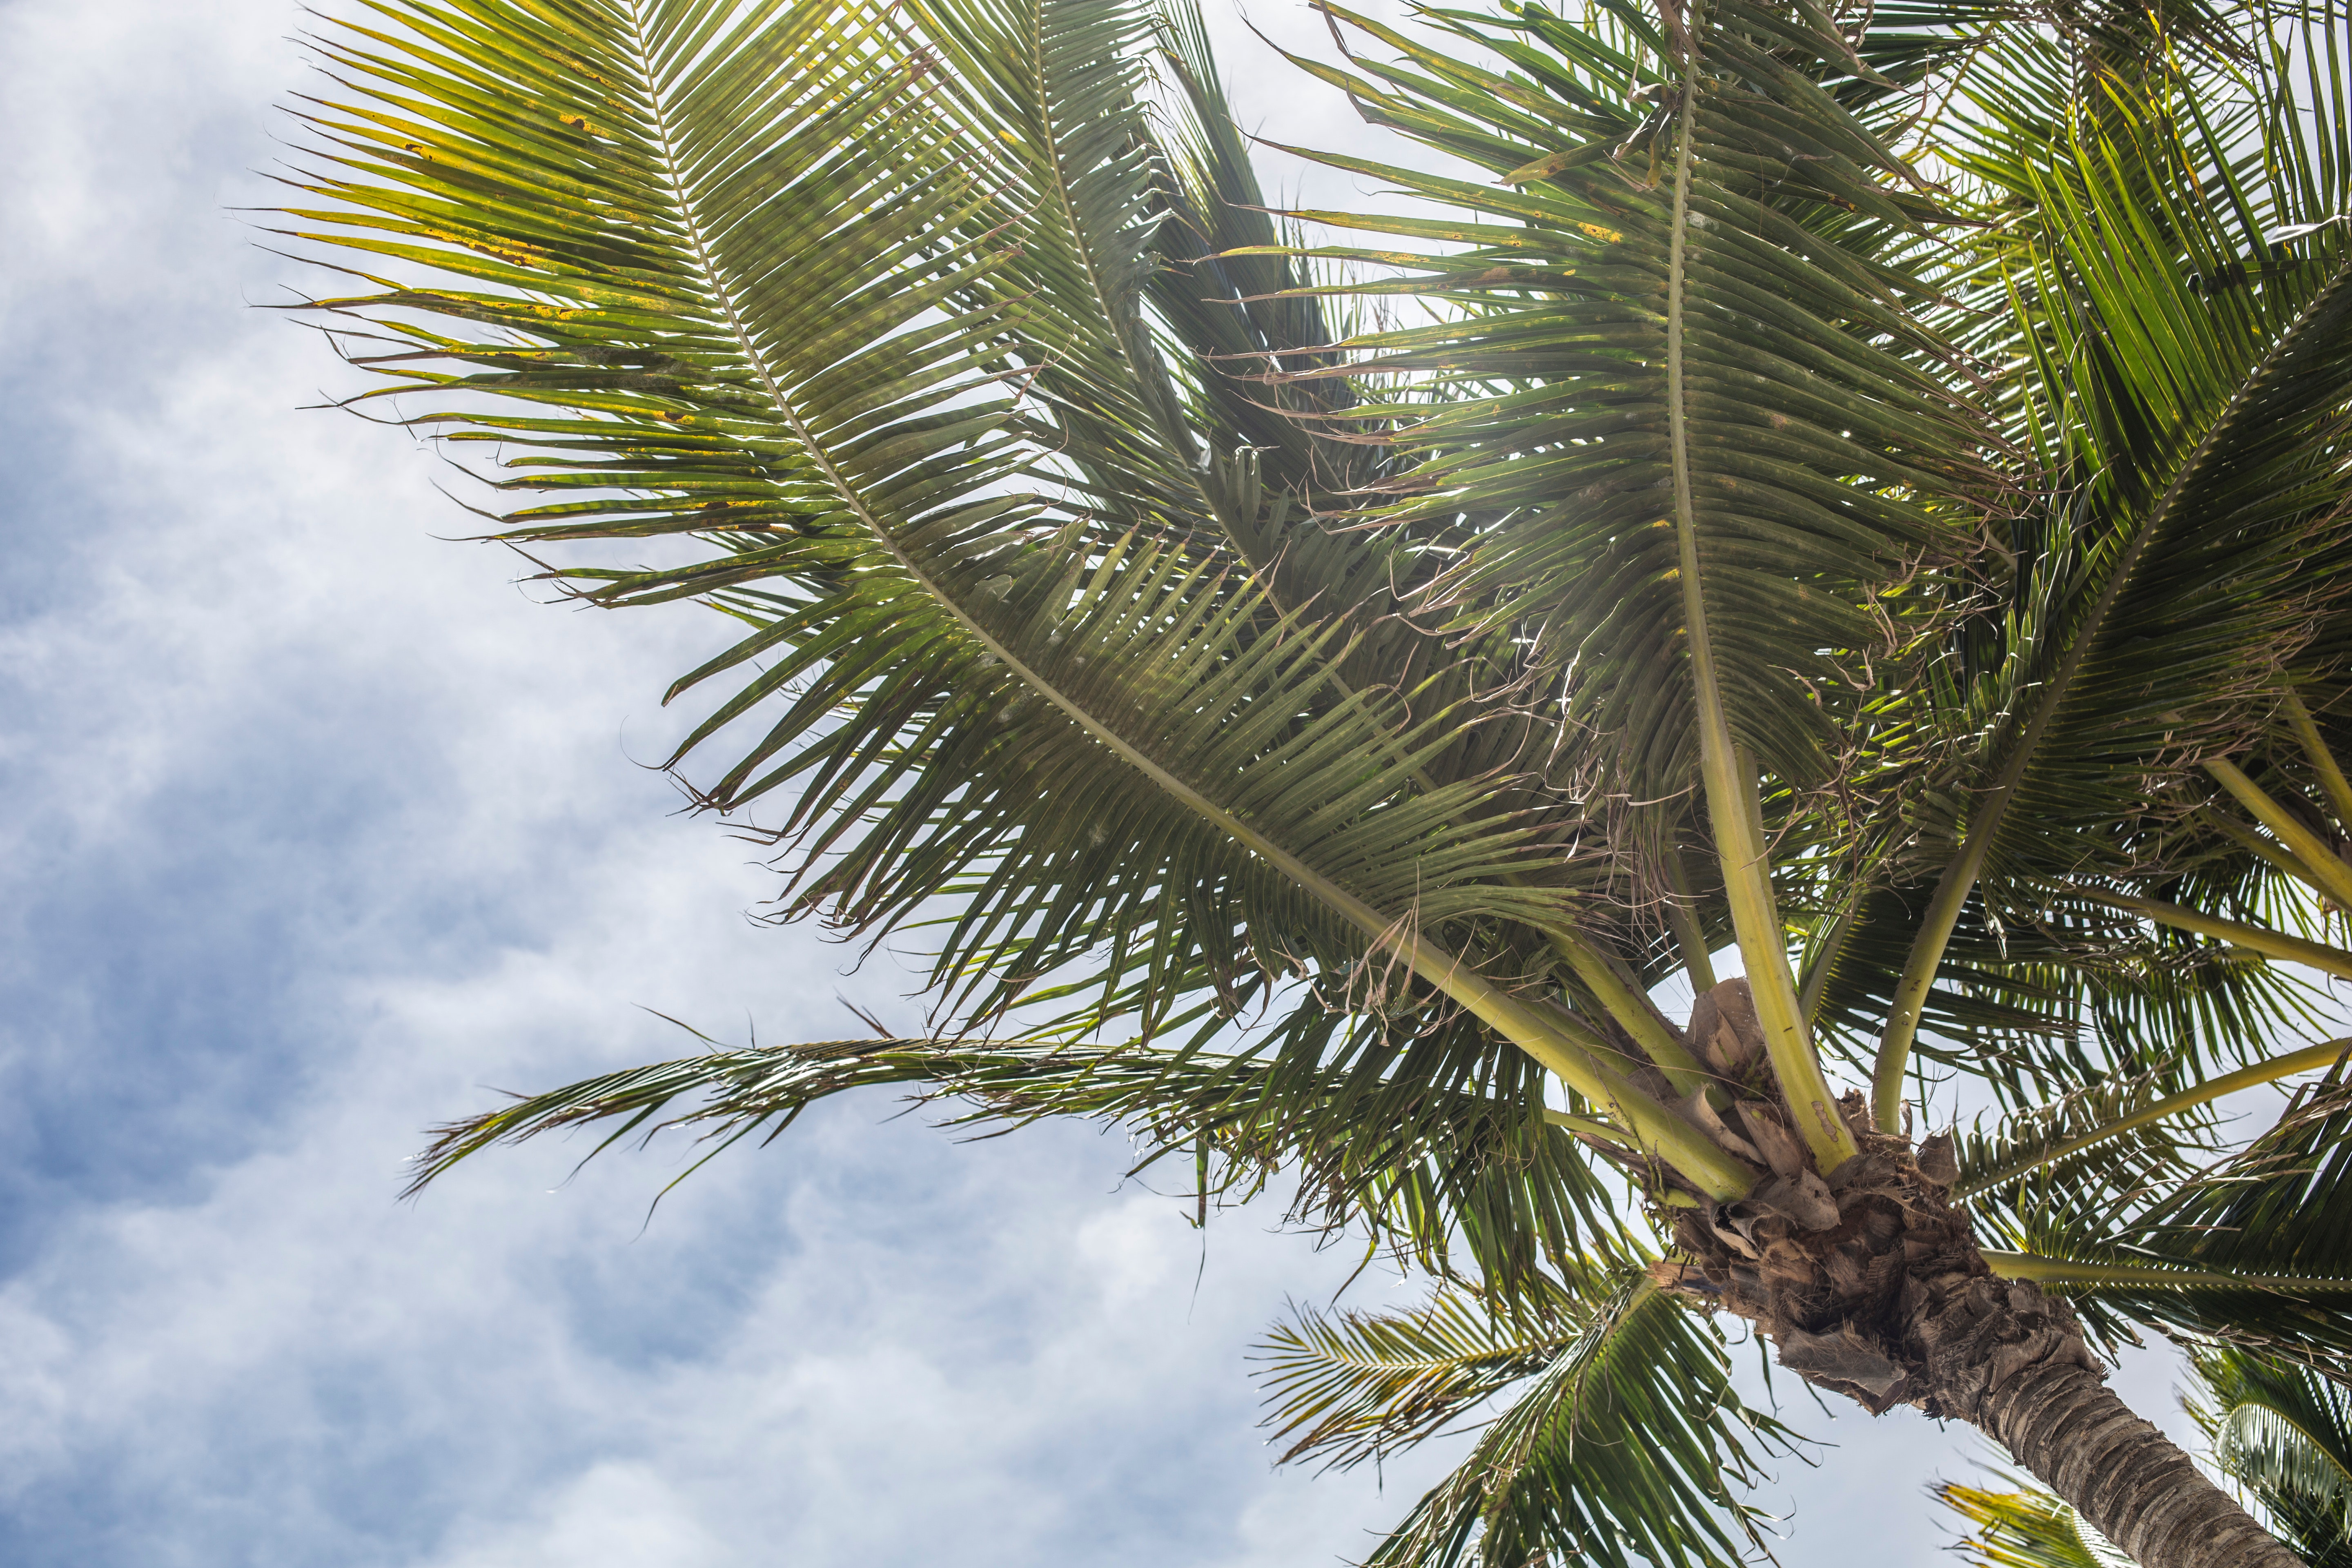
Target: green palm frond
{"points": [[2025, 1528], [2250, 1251], [2114, 1133], [2068, 1144], [1004, 626], [1821, 416], [1351, 1386], [1619, 1444], [2174, 338], [2283, 1433], [2083, 994], [1877, 484], [1682, 413], [2269, 1448], [2202, 419], [2282, 1205], [1467, 1173], [1230, 317]]}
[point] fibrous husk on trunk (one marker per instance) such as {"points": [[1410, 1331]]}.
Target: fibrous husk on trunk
{"points": [[1870, 1284], [1725, 1030], [1866, 1280]]}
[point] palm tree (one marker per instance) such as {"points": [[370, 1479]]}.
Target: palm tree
{"points": [[2282, 1431], [1865, 488]]}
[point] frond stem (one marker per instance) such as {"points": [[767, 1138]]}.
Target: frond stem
{"points": [[1730, 783], [1585, 1126], [2068, 1271], [2261, 938], [1641, 1018], [2308, 1059], [2270, 849], [2323, 761], [2334, 878]]}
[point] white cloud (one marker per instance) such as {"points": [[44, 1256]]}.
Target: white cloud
{"points": [[615, 1515]]}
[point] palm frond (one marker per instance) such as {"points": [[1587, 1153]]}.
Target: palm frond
{"points": [[2077, 1125], [1621, 1442], [2074, 1143], [1818, 412], [2269, 1448], [2025, 1528], [2250, 1251], [2033, 1010], [1687, 426], [890, 267], [1457, 1168], [1346, 1387], [2283, 1433], [2179, 374]]}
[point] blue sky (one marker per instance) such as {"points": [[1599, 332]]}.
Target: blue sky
{"points": [[317, 831]]}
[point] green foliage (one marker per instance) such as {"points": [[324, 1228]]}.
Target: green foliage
{"points": [[2168, 337], [1617, 1441], [1829, 458], [1452, 1174], [2283, 1433], [875, 304], [1288, 645], [2213, 1257], [2020, 1162], [2027, 1528], [2190, 415]]}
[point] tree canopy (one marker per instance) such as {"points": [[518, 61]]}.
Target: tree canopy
{"points": [[1867, 488]]}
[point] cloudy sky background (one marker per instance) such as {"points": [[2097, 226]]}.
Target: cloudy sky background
{"points": [[317, 829]]}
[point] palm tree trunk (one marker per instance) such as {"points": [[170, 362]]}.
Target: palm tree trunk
{"points": [[2012, 1363], [1874, 1288], [2124, 1476]]}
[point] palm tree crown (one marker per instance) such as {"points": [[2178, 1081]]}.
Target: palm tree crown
{"points": [[1865, 487]]}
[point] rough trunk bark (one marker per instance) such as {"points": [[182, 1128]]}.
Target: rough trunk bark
{"points": [[2012, 1363], [1870, 1285], [2123, 1475]]}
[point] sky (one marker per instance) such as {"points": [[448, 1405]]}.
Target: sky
{"points": [[317, 829]]}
